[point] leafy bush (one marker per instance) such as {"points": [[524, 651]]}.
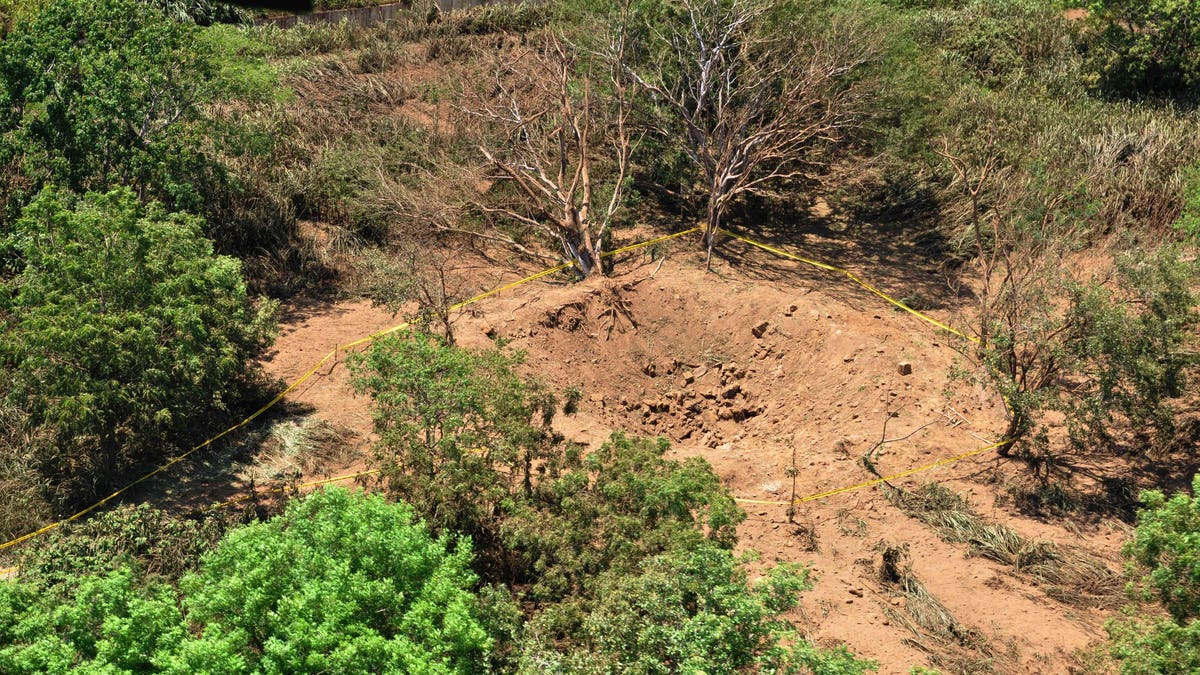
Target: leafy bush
{"points": [[1165, 551], [111, 109], [104, 94], [201, 12], [458, 430], [151, 542], [109, 624], [341, 582], [691, 611], [123, 331], [606, 511], [1147, 47]]}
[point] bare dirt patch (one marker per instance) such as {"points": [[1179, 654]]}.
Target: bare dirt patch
{"points": [[759, 368]]}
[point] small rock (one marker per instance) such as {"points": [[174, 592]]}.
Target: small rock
{"points": [[856, 592], [760, 329], [904, 368], [732, 391]]}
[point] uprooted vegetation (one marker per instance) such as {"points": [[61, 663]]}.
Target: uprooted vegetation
{"points": [[1026, 177], [1069, 575]]}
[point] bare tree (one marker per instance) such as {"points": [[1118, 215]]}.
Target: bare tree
{"points": [[565, 147], [1022, 324], [422, 278], [750, 99]]}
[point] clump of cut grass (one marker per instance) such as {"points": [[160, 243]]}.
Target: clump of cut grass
{"points": [[1068, 575], [895, 571], [293, 448]]}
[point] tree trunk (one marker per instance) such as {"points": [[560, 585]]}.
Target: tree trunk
{"points": [[711, 226]]}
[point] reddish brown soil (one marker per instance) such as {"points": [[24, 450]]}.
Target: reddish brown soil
{"points": [[678, 352]]}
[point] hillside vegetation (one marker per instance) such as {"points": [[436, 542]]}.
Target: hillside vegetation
{"points": [[171, 173]]}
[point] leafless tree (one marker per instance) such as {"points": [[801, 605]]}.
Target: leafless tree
{"points": [[421, 278], [751, 100], [1018, 241], [565, 147]]}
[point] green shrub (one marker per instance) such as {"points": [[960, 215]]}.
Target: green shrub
{"points": [[104, 94], [459, 431], [124, 333], [153, 543], [340, 583], [109, 623], [1164, 556], [690, 611], [1147, 47]]}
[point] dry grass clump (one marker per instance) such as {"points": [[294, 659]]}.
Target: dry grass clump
{"points": [[952, 646], [297, 447], [1068, 575]]}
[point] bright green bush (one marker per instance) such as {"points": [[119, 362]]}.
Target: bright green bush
{"points": [[110, 624], [606, 511], [123, 331], [1165, 556], [341, 582]]}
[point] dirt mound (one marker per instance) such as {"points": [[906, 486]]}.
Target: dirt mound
{"points": [[783, 380]]}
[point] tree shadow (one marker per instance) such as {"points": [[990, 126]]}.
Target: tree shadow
{"points": [[217, 473], [895, 262], [1092, 485]]}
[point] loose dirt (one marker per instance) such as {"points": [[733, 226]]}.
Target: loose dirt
{"points": [[759, 366]]}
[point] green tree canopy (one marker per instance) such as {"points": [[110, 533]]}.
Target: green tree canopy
{"points": [[98, 94], [341, 582], [94, 95], [123, 332], [1165, 554], [1148, 47]]}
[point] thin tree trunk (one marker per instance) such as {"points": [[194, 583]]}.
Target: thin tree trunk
{"points": [[712, 224]]}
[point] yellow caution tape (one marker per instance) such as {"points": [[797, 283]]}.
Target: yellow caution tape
{"points": [[850, 275], [303, 378], [877, 481], [924, 317]]}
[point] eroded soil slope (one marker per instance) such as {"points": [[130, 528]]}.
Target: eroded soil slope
{"points": [[760, 366]]}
